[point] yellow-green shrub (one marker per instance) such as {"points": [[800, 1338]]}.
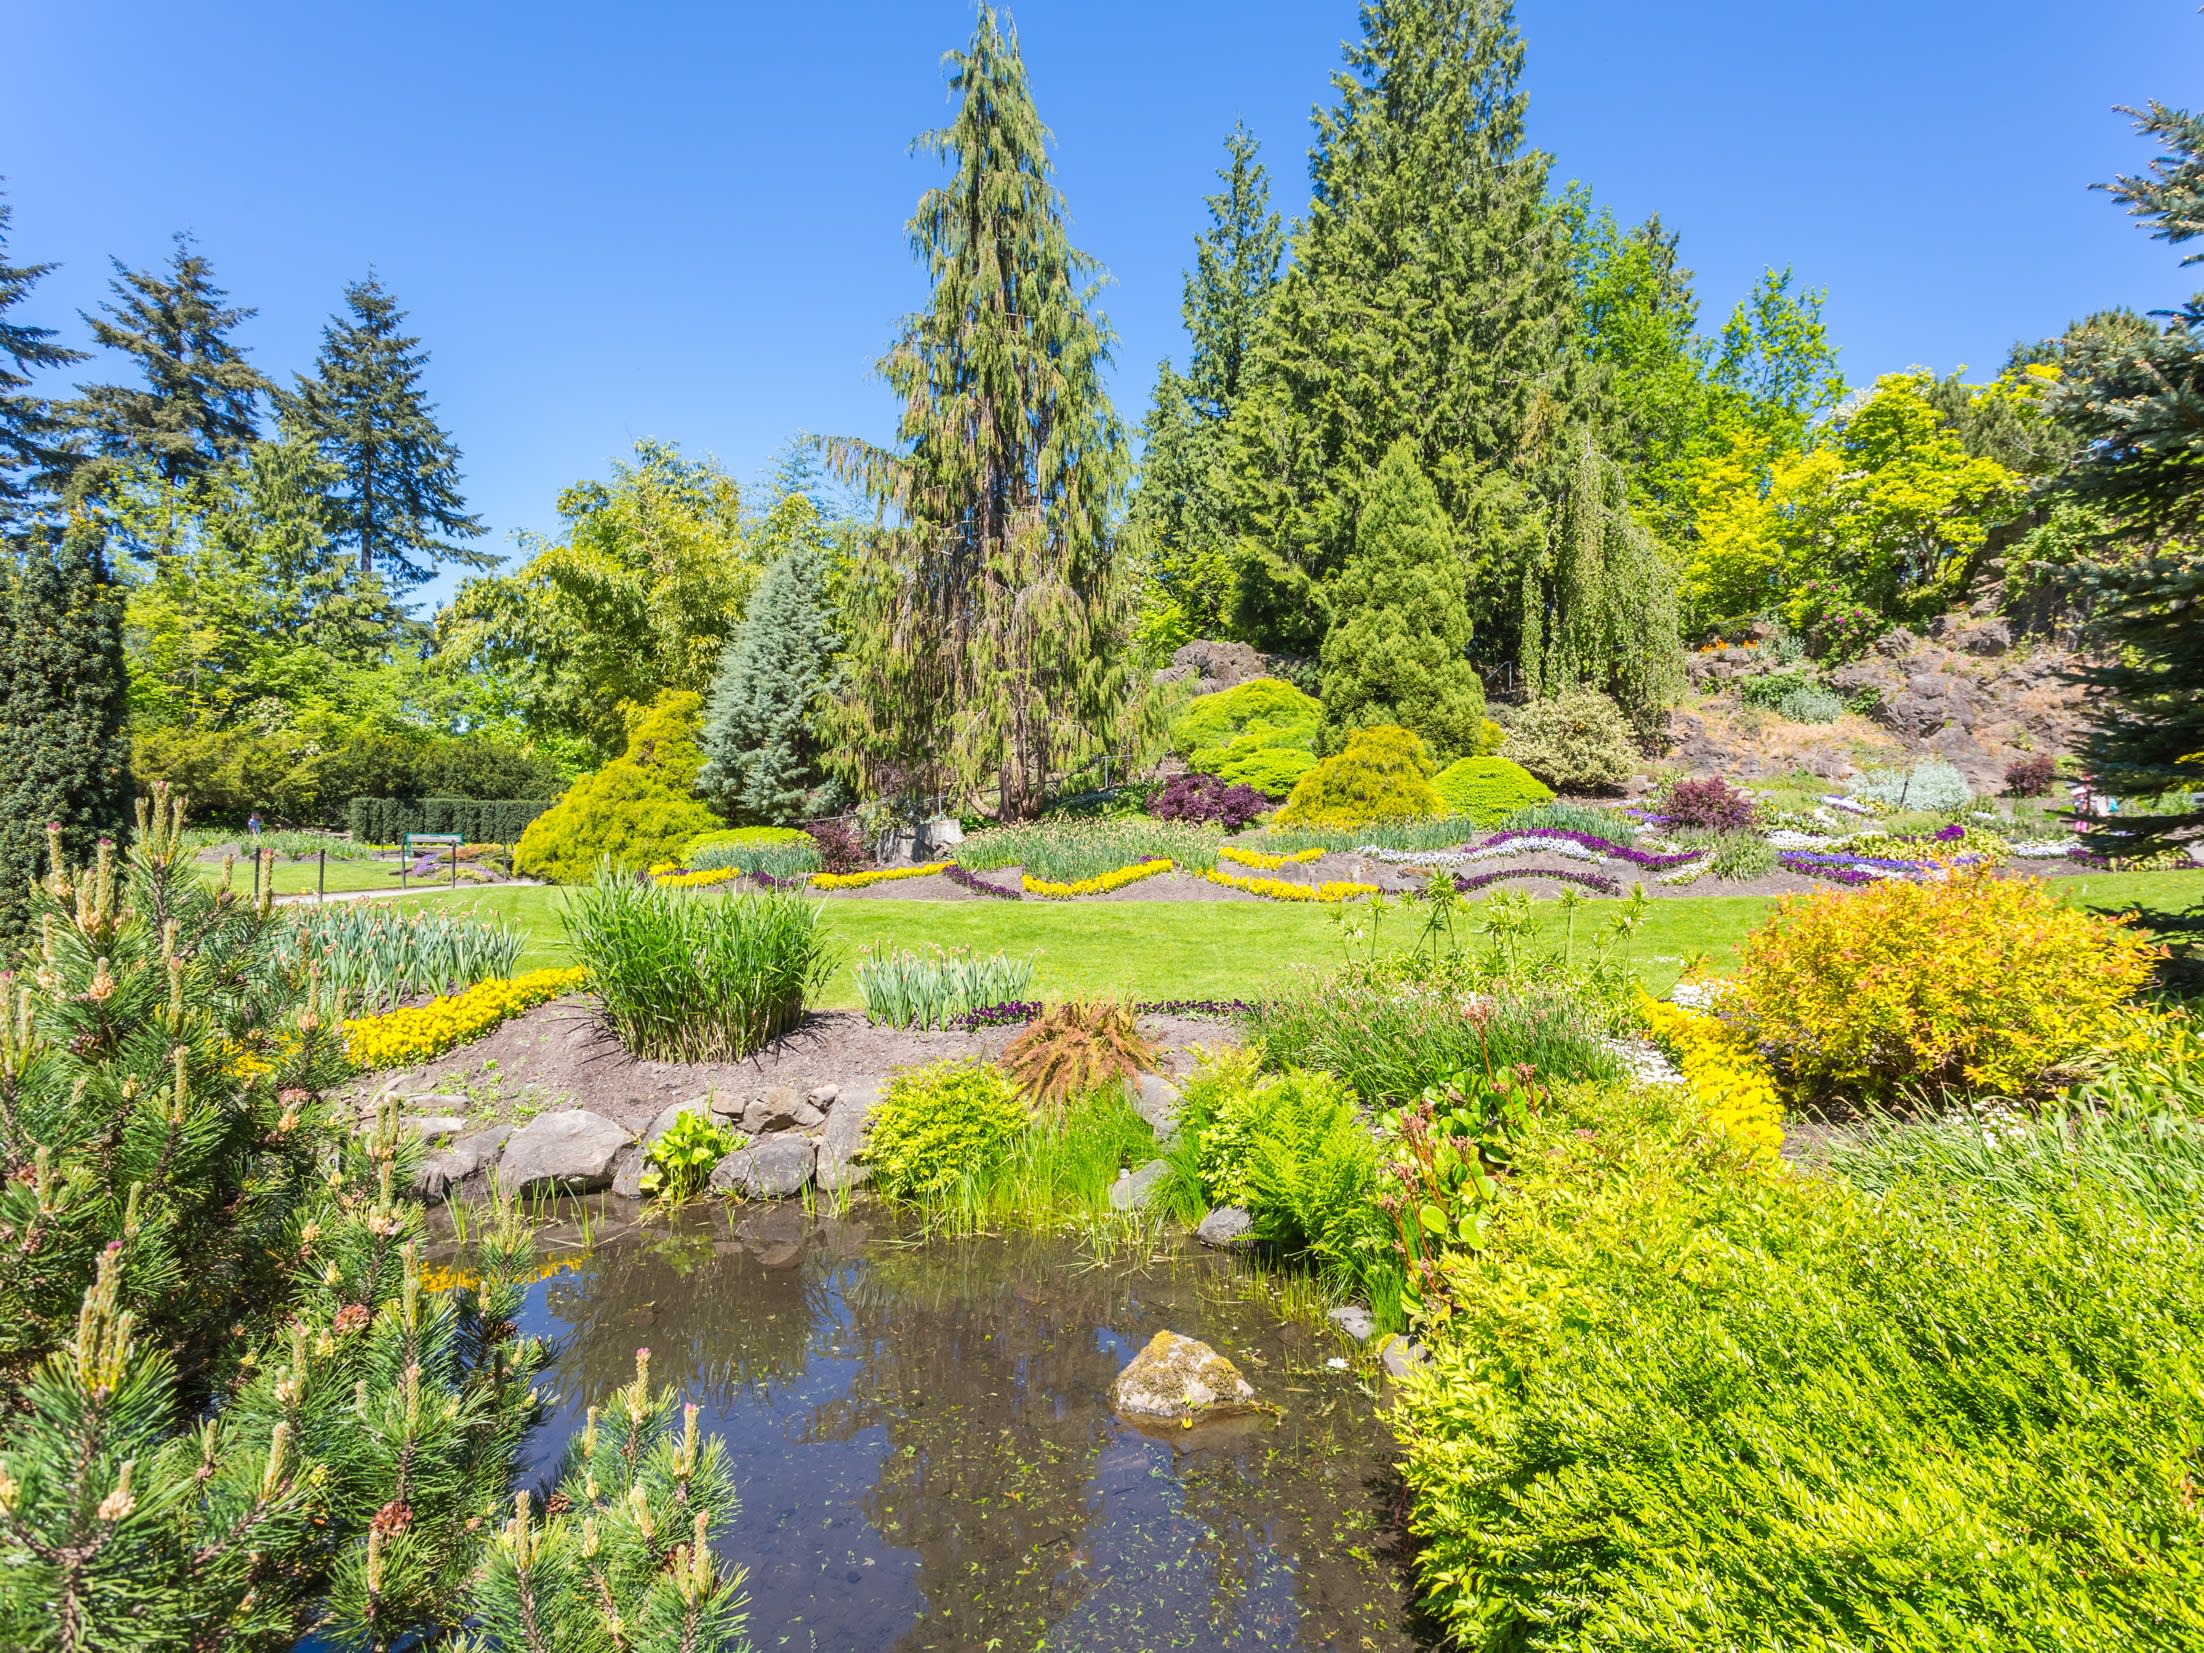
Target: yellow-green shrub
{"points": [[1383, 774], [1971, 984], [639, 809], [1488, 790], [1725, 1075], [1266, 705], [941, 1123]]}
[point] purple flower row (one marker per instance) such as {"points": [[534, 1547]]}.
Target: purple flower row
{"points": [[1600, 883], [980, 886], [1018, 1012], [1860, 869], [1621, 852]]}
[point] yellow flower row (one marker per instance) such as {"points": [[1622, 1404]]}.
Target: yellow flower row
{"points": [[1101, 885], [677, 880], [414, 1035], [1282, 889], [1266, 863], [879, 875], [1725, 1076]]}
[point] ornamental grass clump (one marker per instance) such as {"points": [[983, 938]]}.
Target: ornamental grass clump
{"points": [[931, 989], [1072, 851], [1074, 1049], [691, 976], [1960, 986], [778, 852], [375, 956]]}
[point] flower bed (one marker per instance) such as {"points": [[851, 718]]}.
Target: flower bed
{"points": [[1597, 882], [1868, 869], [414, 1035], [1018, 1012], [1555, 836], [878, 875], [1265, 863], [978, 885], [1281, 889], [1101, 885], [1725, 1075], [678, 878]]}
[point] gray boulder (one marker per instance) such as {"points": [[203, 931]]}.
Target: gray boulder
{"points": [[1400, 1356], [438, 1171], [823, 1097], [1354, 1320], [844, 1139], [1228, 1228], [429, 1126], [779, 1108], [1131, 1190], [769, 1170], [1156, 1100], [1178, 1379], [570, 1151], [628, 1166]]}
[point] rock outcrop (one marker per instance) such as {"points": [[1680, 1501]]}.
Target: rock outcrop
{"points": [[570, 1152]]}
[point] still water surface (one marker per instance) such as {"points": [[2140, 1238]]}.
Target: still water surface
{"points": [[927, 1457]]}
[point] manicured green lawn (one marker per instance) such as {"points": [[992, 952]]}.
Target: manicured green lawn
{"points": [[1218, 949], [297, 877]]}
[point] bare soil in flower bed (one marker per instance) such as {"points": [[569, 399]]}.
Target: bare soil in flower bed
{"points": [[560, 1055]]}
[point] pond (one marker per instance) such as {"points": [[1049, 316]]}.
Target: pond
{"points": [[922, 1435]]}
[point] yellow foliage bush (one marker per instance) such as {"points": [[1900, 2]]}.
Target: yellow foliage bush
{"points": [[1972, 984], [638, 809], [1725, 1075], [415, 1034], [673, 878], [1100, 885], [1383, 774], [878, 875]]}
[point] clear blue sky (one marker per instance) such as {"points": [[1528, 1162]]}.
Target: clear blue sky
{"points": [[686, 220]]}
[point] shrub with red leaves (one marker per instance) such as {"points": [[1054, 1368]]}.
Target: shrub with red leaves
{"points": [[840, 849], [2029, 777], [1710, 802], [1200, 798]]}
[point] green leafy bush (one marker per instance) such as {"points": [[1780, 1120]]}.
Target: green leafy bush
{"points": [[1488, 790], [1812, 704], [1578, 741], [682, 1158], [1736, 855], [1253, 759], [1382, 775], [940, 1125], [696, 976], [637, 811], [1777, 1411], [1266, 706]]}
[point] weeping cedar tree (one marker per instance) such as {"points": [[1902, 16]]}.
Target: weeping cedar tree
{"points": [[1179, 508], [986, 635], [364, 409], [236, 1412], [63, 700], [761, 738], [1428, 297], [200, 402], [1397, 650], [1599, 607], [2136, 397], [30, 431]]}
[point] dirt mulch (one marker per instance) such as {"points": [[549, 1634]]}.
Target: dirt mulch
{"points": [[561, 1055]]}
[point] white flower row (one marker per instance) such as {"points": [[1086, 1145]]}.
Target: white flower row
{"points": [[2049, 849], [1783, 838], [1564, 847]]}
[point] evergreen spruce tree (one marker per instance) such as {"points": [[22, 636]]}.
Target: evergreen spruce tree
{"points": [[30, 432], [1428, 297], [63, 699], [987, 636], [762, 724], [399, 506], [1178, 512], [199, 403], [1397, 652], [1599, 605], [2134, 397]]}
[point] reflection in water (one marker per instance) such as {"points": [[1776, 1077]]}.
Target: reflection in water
{"points": [[927, 1456]]}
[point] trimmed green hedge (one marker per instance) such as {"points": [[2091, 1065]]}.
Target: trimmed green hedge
{"points": [[478, 820], [1489, 790]]}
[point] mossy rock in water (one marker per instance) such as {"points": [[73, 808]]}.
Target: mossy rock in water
{"points": [[1179, 1379]]}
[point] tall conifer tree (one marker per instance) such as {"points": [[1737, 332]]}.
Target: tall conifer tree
{"points": [[987, 632], [399, 505], [63, 698], [1180, 506], [761, 736], [199, 403], [1428, 298], [30, 432]]}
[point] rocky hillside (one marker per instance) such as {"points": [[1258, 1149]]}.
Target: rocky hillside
{"points": [[1967, 691]]}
